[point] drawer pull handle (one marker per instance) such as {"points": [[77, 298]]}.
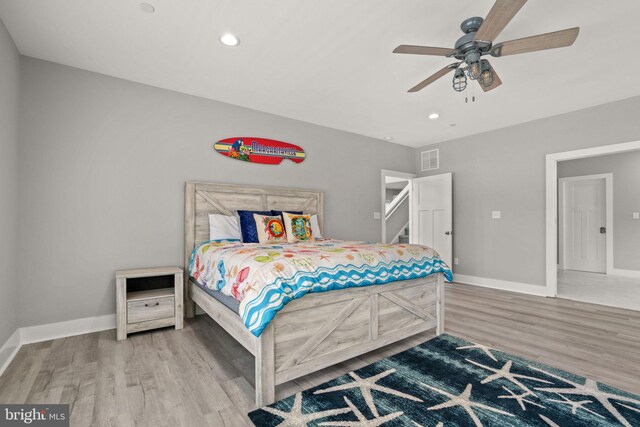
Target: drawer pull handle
{"points": [[151, 305]]}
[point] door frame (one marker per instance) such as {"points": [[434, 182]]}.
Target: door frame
{"points": [[551, 164], [383, 187], [608, 201]]}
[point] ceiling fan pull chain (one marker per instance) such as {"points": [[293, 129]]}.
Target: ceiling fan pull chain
{"points": [[466, 95]]}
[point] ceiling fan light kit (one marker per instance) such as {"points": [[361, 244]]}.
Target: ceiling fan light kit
{"points": [[459, 80], [472, 59], [487, 76], [477, 41]]}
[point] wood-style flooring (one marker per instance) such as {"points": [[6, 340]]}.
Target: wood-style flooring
{"points": [[200, 376], [603, 289]]}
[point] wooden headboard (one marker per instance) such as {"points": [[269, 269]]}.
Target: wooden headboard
{"points": [[204, 198]]}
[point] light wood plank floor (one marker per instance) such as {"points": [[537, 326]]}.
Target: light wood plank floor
{"points": [[201, 376], [603, 289]]}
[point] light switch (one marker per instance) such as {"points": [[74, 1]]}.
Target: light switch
{"points": [[456, 261], [376, 215], [496, 214], [636, 215]]}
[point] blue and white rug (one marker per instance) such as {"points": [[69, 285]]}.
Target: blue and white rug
{"points": [[451, 382]]}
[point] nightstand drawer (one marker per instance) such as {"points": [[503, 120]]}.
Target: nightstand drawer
{"points": [[150, 309]]}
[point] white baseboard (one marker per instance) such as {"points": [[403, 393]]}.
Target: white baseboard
{"points": [[523, 288], [9, 350], [52, 331], [624, 273]]}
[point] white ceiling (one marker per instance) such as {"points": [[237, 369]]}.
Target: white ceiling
{"points": [[329, 61]]}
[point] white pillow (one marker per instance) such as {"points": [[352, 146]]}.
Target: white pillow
{"points": [[223, 227], [315, 227]]}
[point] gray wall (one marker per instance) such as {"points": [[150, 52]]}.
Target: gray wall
{"points": [[505, 170], [626, 200], [9, 85], [102, 169]]}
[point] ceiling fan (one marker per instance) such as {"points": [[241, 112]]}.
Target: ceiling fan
{"points": [[477, 42]]}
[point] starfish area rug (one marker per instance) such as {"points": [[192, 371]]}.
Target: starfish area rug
{"points": [[451, 382]]}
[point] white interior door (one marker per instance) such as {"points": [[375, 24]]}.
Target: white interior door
{"points": [[583, 224], [432, 214]]}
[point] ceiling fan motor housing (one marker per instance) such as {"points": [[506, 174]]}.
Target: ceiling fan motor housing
{"points": [[468, 43]]}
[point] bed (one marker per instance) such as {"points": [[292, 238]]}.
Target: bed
{"points": [[319, 329]]}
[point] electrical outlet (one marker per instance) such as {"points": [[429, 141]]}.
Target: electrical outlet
{"points": [[456, 261], [376, 215], [496, 214], [636, 215]]}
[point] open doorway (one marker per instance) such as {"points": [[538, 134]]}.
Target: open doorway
{"points": [[396, 201], [597, 207]]}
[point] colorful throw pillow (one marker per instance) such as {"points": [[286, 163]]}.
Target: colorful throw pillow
{"points": [[298, 227], [248, 225], [270, 229]]}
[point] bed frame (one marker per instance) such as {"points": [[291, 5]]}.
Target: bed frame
{"points": [[321, 329]]}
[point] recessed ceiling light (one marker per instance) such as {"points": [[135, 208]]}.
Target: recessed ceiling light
{"points": [[388, 138], [453, 125], [147, 8], [229, 40], [434, 116]]}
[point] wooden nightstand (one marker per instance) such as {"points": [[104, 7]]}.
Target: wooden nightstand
{"points": [[148, 298]]}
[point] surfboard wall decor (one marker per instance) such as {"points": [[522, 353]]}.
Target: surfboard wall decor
{"points": [[259, 150]]}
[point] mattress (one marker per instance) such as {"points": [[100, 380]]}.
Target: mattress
{"points": [[228, 301], [265, 277]]}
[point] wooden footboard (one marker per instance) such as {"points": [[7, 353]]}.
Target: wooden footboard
{"points": [[324, 329]]}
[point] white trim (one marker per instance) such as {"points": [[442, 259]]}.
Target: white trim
{"points": [[383, 195], [503, 285], [625, 273], [9, 350], [397, 201], [52, 331], [551, 164], [608, 179]]}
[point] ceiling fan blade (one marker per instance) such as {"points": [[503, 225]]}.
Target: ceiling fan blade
{"points": [[424, 50], [446, 70], [553, 40], [499, 16], [496, 81]]}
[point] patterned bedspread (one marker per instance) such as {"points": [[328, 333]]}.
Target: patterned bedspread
{"points": [[264, 278]]}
